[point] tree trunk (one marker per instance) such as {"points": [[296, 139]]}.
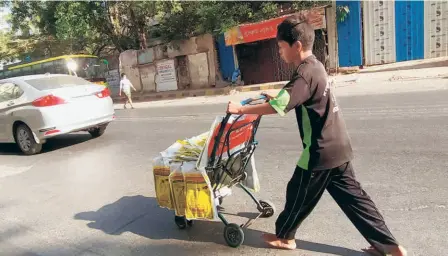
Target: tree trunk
{"points": [[143, 40]]}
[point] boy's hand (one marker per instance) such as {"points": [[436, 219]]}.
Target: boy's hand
{"points": [[233, 108], [270, 97]]}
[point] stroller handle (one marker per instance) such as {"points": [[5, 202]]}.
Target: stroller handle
{"points": [[249, 100]]}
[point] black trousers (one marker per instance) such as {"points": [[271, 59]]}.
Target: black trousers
{"points": [[306, 188]]}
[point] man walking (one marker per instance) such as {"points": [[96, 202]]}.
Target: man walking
{"points": [[125, 86], [325, 162]]}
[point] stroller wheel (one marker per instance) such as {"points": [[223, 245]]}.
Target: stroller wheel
{"points": [[234, 235], [268, 209], [181, 222]]}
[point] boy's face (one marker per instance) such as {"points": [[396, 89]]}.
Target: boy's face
{"points": [[289, 53]]}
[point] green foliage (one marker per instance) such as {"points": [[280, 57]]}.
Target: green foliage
{"points": [[59, 27], [342, 13]]}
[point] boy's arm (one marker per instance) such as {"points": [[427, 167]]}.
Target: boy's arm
{"points": [[259, 109], [291, 96]]}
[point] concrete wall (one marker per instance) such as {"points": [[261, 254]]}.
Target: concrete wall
{"points": [[196, 55], [199, 72], [201, 44], [332, 35], [128, 65]]}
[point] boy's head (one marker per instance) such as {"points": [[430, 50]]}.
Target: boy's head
{"points": [[294, 37], [123, 75]]}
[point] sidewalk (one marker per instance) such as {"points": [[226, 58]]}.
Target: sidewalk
{"points": [[200, 92], [368, 80]]}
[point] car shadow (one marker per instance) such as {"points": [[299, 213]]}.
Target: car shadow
{"points": [[142, 216], [52, 144]]}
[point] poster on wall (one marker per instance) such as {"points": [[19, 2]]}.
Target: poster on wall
{"points": [[166, 79], [113, 80], [436, 29], [379, 32]]}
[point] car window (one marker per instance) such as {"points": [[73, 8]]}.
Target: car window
{"points": [[56, 82], [9, 91]]}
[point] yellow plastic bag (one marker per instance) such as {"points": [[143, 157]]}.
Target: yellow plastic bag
{"points": [[199, 196], [178, 189], [161, 172]]}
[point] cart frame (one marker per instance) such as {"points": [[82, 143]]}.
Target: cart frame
{"points": [[217, 171]]}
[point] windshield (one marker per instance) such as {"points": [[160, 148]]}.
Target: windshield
{"points": [[90, 68], [56, 82]]}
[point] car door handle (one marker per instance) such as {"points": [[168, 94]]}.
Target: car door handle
{"points": [[10, 104]]}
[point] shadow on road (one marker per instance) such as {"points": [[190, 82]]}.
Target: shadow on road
{"points": [[142, 216], [53, 144]]}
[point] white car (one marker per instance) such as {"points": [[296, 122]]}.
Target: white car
{"points": [[35, 108]]}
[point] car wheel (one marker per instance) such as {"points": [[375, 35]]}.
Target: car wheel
{"points": [[97, 132], [25, 140]]}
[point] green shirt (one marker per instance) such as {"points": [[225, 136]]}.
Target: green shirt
{"points": [[325, 140]]}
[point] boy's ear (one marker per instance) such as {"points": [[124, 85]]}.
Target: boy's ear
{"points": [[298, 46]]}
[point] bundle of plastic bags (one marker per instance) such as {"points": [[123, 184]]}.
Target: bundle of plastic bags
{"points": [[182, 183], [179, 185]]}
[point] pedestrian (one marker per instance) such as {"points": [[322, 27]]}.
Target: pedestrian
{"points": [[325, 162], [125, 87]]}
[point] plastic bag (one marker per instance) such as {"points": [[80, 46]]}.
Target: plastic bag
{"points": [[161, 170], [200, 201], [186, 150], [177, 183], [252, 182]]}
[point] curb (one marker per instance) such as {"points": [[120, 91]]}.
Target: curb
{"points": [[199, 92]]}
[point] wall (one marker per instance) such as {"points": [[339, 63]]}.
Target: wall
{"points": [[349, 35], [113, 80], [436, 27], [379, 32], [409, 22], [128, 65], [394, 31], [201, 44], [198, 69], [332, 35], [226, 59], [196, 56]]}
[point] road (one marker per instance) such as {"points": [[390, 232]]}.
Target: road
{"points": [[86, 196]]}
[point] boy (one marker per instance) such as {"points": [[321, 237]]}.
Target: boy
{"points": [[125, 86], [325, 162]]}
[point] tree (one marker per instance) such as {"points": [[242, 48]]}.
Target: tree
{"points": [[93, 26]]}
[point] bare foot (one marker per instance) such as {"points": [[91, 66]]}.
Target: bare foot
{"points": [[278, 243], [372, 251], [389, 251]]}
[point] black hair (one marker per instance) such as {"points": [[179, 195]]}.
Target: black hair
{"points": [[122, 75], [293, 29]]}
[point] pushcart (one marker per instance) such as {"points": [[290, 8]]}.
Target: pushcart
{"points": [[231, 171]]}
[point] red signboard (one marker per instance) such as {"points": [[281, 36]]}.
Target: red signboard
{"points": [[268, 29], [259, 31]]}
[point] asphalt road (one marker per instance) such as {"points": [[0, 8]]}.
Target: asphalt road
{"points": [[96, 197]]}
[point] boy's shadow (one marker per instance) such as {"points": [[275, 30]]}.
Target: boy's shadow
{"points": [[142, 216]]}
